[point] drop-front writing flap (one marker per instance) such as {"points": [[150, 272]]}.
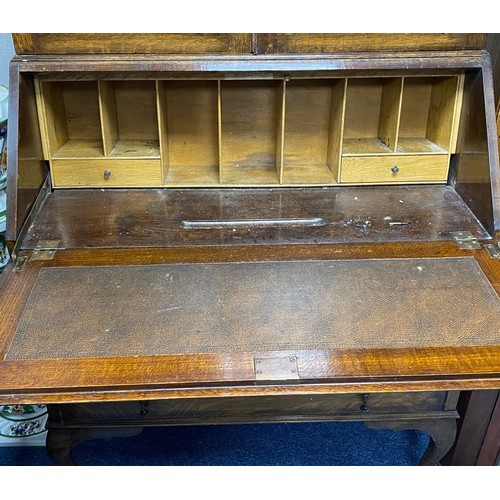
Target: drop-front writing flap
{"points": [[254, 307]]}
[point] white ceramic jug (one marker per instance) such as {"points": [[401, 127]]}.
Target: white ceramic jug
{"points": [[4, 98]]}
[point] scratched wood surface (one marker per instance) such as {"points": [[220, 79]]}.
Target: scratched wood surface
{"points": [[152, 218]]}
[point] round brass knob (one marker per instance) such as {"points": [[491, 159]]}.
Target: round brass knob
{"points": [[107, 174], [395, 169]]}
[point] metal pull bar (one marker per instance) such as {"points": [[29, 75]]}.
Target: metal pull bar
{"points": [[233, 223]]}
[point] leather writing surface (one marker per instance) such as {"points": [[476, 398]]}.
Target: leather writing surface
{"points": [[249, 307]]}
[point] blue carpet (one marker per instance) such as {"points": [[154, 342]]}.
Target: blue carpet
{"points": [[304, 444]]}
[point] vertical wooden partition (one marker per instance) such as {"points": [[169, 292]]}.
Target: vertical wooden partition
{"points": [[188, 122], [70, 119], [372, 115], [250, 143], [312, 131], [130, 123], [430, 109], [222, 132]]}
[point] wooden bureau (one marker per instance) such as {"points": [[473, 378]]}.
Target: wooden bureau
{"points": [[245, 228]]}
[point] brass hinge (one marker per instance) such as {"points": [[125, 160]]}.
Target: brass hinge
{"points": [[493, 250], [45, 250], [465, 240], [19, 262]]}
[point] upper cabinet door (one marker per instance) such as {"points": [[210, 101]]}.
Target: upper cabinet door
{"points": [[240, 43], [296, 43], [132, 43]]}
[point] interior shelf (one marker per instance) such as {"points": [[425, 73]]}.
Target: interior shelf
{"points": [[419, 145], [364, 146], [430, 110], [250, 132], [135, 148], [72, 122], [129, 117], [371, 115], [189, 138], [251, 122], [312, 131], [80, 148]]}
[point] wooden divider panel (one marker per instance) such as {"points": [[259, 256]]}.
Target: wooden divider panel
{"points": [[225, 132]]}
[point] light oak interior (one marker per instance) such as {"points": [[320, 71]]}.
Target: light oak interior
{"points": [[275, 132]]}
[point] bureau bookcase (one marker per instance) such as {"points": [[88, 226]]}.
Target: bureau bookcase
{"points": [[244, 228]]}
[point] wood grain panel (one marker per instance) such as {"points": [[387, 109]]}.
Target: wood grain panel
{"points": [[109, 121], [26, 170], [247, 409], [307, 132], [490, 451], [442, 111], [378, 169], [390, 112], [475, 177], [151, 218], [250, 113], [162, 376], [189, 109], [132, 43], [90, 173], [280, 43]]}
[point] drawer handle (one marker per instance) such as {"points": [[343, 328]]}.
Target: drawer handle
{"points": [[144, 408], [107, 174], [395, 169], [364, 407]]}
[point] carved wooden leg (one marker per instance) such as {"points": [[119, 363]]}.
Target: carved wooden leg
{"points": [[442, 434], [59, 446], [61, 441]]}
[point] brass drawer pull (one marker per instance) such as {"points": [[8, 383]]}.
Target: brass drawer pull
{"points": [[395, 169], [144, 408], [364, 407], [233, 223], [107, 174]]}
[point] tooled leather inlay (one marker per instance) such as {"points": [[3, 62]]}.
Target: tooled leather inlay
{"points": [[237, 307]]}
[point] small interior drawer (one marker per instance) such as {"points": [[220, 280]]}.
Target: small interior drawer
{"points": [[106, 173], [394, 169]]}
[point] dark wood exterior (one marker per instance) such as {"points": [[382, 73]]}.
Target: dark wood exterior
{"points": [[132, 43], [445, 368], [240, 43], [406, 387], [282, 43]]}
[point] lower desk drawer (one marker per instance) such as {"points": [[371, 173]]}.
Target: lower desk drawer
{"points": [[394, 169], [255, 409], [106, 173]]}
